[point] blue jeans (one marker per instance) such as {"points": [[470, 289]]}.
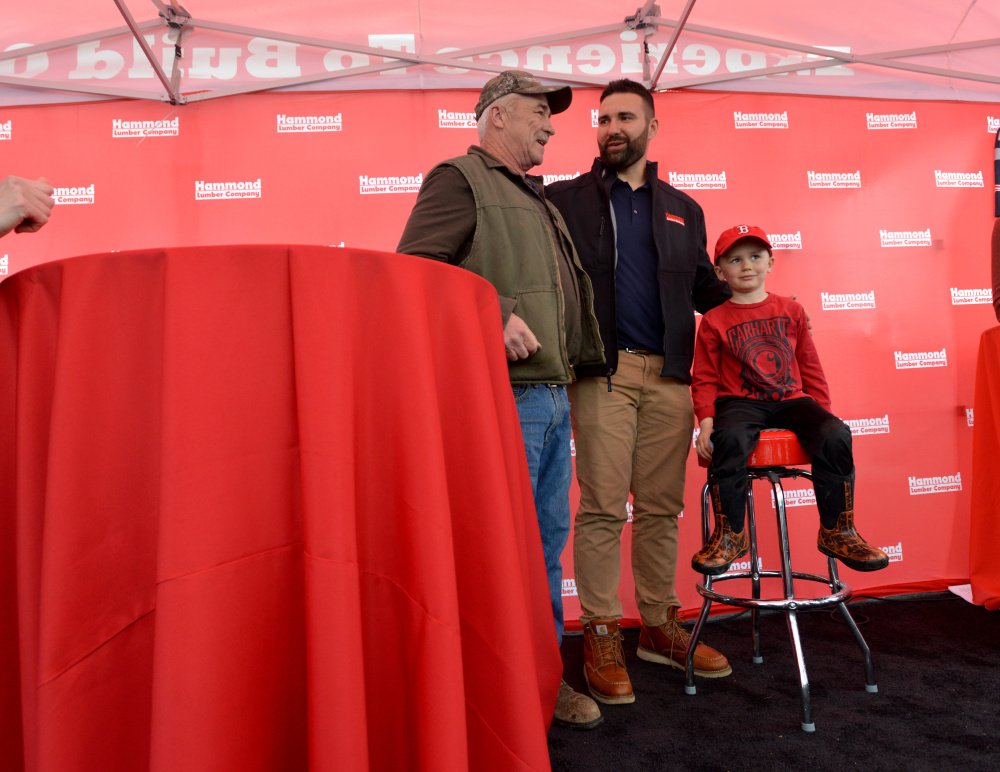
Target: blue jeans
{"points": [[544, 415]]}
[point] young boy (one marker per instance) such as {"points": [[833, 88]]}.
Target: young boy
{"points": [[756, 367]]}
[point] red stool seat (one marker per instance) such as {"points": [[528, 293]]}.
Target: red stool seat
{"points": [[777, 447]]}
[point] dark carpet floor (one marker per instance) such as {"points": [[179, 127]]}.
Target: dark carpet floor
{"points": [[937, 664]]}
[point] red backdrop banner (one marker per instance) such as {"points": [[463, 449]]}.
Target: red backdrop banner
{"points": [[880, 212]]}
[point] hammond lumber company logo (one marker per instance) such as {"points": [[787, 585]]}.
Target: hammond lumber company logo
{"points": [[847, 301], [449, 120], [760, 120], [958, 179], [949, 483], [992, 124], [228, 191], [785, 240], [744, 565], [895, 553], [569, 588], [971, 297], [834, 179], [698, 180], [863, 426], [889, 239], [80, 195], [797, 497], [7, 129], [891, 120], [370, 185], [915, 360], [4, 265], [970, 416], [308, 124], [170, 127], [548, 179], [594, 118]]}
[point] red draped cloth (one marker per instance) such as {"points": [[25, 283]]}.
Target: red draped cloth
{"points": [[984, 528], [265, 508]]}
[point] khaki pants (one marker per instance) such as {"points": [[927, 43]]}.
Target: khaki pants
{"points": [[634, 438]]}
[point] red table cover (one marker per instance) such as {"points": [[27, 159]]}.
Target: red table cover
{"points": [[984, 528], [265, 508]]}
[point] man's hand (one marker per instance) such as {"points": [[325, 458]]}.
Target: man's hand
{"points": [[25, 205], [703, 445], [518, 339]]}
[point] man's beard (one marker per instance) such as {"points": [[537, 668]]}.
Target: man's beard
{"points": [[622, 159]]}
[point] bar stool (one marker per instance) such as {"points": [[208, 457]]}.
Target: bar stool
{"points": [[777, 456]]}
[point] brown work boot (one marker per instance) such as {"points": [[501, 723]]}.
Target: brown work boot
{"points": [[845, 543], [725, 546], [604, 662], [668, 643], [575, 710]]}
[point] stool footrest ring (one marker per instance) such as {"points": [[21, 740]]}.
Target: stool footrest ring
{"points": [[824, 601]]}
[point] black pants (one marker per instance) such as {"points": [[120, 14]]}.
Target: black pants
{"points": [[736, 432]]}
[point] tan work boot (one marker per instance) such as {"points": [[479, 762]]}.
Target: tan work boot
{"points": [[604, 663], [668, 643], [725, 546], [846, 544], [575, 710]]}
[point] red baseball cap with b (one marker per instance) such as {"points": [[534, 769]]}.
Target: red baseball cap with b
{"points": [[738, 233]]}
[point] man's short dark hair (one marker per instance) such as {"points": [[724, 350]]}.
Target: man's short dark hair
{"points": [[626, 86]]}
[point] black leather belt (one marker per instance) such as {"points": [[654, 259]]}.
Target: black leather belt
{"points": [[644, 352]]}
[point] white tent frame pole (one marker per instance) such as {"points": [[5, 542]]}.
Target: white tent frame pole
{"points": [[42, 48], [174, 96], [876, 60], [671, 43], [51, 85]]}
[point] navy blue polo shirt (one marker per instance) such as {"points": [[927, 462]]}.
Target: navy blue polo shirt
{"points": [[637, 291]]}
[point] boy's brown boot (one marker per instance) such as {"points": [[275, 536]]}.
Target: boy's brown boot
{"points": [[845, 543], [725, 546]]}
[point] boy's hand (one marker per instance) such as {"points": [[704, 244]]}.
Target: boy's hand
{"points": [[703, 445]]}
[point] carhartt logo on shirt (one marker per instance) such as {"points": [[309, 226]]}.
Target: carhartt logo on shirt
{"points": [[674, 218]]}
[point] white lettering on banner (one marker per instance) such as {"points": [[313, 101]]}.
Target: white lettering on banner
{"points": [[891, 120], [847, 301], [162, 128], [796, 497], [548, 179], [450, 120], [629, 510], [920, 359], [785, 240], [80, 195], [760, 120], [834, 179], [4, 265], [594, 115], [572, 447], [970, 416], [862, 426], [341, 244], [889, 239], [971, 297], [7, 129], [958, 179], [204, 191], [992, 124], [266, 58], [309, 123], [272, 59], [944, 484], [895, 553], [375, 185], [569, 588], [698, 181], [744, 565]]}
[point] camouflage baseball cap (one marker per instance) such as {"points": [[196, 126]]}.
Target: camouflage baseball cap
{"points": [[521, 82]]}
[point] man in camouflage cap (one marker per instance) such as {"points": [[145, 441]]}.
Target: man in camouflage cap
{"points": [[484, 212]]}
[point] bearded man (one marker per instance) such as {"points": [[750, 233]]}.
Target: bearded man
{"points": [[642, 242]]}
